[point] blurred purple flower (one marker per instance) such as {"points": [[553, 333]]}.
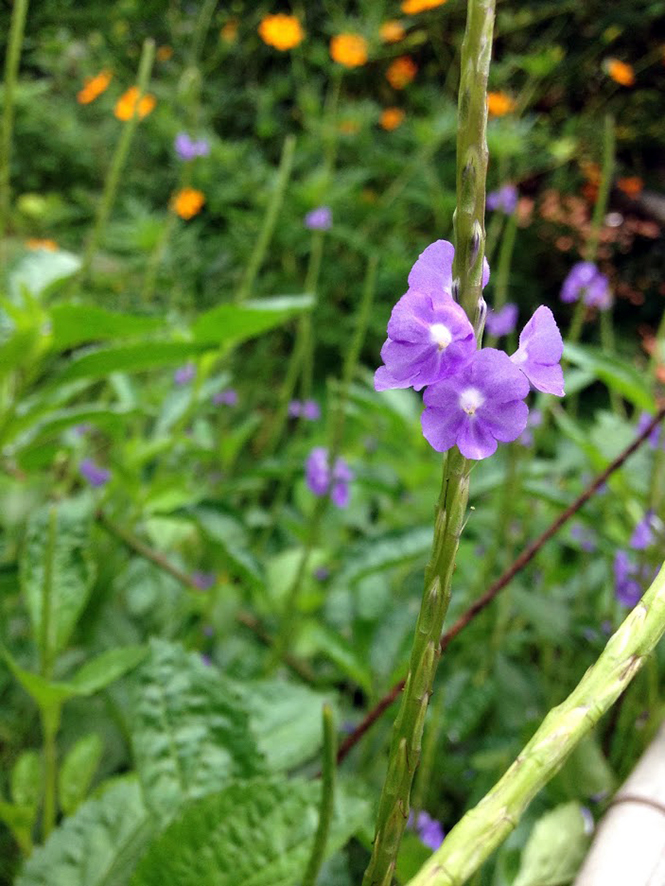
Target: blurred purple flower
{"points": [[319, 478], [185, 374], [429, 830], [504, 199], [503, 321], [481, 405], [319, 219], [206, 660], [93, 473], [207, 630], [311, 411], [585, 281], [540, 352], [644, 534], [321, 573], [655, 437], [534, 420], [229, 397], [188, 148], [82, 429], [203, 580], [584, 536], [627, 589], [295, 409]]}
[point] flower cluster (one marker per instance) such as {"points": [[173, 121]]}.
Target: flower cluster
{"points": [[503, 321], [429, 830], [227, 397], [187, 202], [307, 409], [130, 103], [93, 88], [585, 281], [94, 474], [474, 398], [281, 31], [190, 148], [349, 50], [632, 575], [504, 199], [319, 219], [321, 480]]}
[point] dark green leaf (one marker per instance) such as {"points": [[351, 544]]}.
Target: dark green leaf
{"points": [[75, 324], [616, 373], [106, 668], [232, 324]]}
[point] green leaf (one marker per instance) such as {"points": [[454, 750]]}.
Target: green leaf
{"points": [[230, 535], [46, 694], [56, 572], [106, 668], [555, 849], [614, 372], [320, 638], [97, 846], [26, 780], [74, 324], [49, 426], [41, 271], [258, 833], [77, 770], [384, 552], [190, 731], [232, 324]]}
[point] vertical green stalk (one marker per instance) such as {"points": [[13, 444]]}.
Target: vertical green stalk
{"points": [[406, 740], [50, 719], [201, 29], [49, 714], [45, 640], [484, 828], [328, 773], [117, 163], [269, 219], [16, 29]]}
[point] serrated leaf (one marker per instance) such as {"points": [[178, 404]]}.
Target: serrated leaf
{"points": [[232, 324], [75, 324], [190, 732], [258, 833], [97, 846], [56, 571], [77, 770], [617, 374], [385, 552], [106, 668], [555, 849]]}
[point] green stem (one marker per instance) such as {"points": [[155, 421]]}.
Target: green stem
{"points": [[600, 208], [117, 163], [269, 219], [46, 642], [406, 740], [327, 806], [201, 29], [50, 717], [12, 59], [482, 829]]}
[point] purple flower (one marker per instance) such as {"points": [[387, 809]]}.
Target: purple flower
{"points": [[92, 472], [189, 149], [203, 580], [295, 409], [320, 480], [503, 321], [205, 659], [185, 374], [229, 397], [429, 830], [540, 351], [504, 199], [655, 436], [321, 573], [208, 631], [319, 219], [627, 589], [479, 406], [584, 537], [311, 411], [432, 273], [534, 420], [644, 534], [82, 429], [585, 281]]}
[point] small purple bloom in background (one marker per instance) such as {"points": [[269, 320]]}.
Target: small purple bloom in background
{"points": [[584, 536], [311, 411], [655, 436], [429, 830], [203, 580], [185, 374], [295, 409], [205, 658], [540, 351], [82, 429], [504, 199], [585, 281], [321, 573], [229, 397], [207, 630], [188, 148], [503, 321], [534, 420], [319, 478], [630, 580], [92, 472], [482, 405], [644, 534], [319, 219]]}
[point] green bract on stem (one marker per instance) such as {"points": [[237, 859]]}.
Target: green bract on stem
{"points": [[451, 509], [483, 828]]}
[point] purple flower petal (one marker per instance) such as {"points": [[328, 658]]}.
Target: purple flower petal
{"points": [[94, 474], [503, 321], [504, 199], [319, 219], [540, 350]]}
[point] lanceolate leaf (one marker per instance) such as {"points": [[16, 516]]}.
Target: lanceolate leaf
{"points": [[385, 552], [616, 373], [74, 324], [77, 770], [232, 324]]}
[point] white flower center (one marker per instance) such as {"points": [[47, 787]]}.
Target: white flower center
{"points": [[520, 356], [440, 335], [471, 399]]}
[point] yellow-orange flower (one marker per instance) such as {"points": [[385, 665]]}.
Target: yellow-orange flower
{"points": [[37, 243], [129, 103], [229, 31], [392, 31], [620, 72], [411, 7], [93, 88], [349, 50], [391, 118], [164, 53], [499, 104], [401, 72], [187, 202], [631, 185], [281, 31]]}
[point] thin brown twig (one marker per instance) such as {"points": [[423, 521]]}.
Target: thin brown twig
{"points": [[301, 668], [482, 602]]}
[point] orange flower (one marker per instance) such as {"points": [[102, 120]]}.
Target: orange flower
{"points": [[401, 72], [281, 31], [620, 72], [631, 185], [349, 50], [411, 7], [36, 243], [349, 127], [391, 118], [164, 53], [188, 202], [129, 104], [93, 88], [392, 31], [499, 104], [229, 31]]}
